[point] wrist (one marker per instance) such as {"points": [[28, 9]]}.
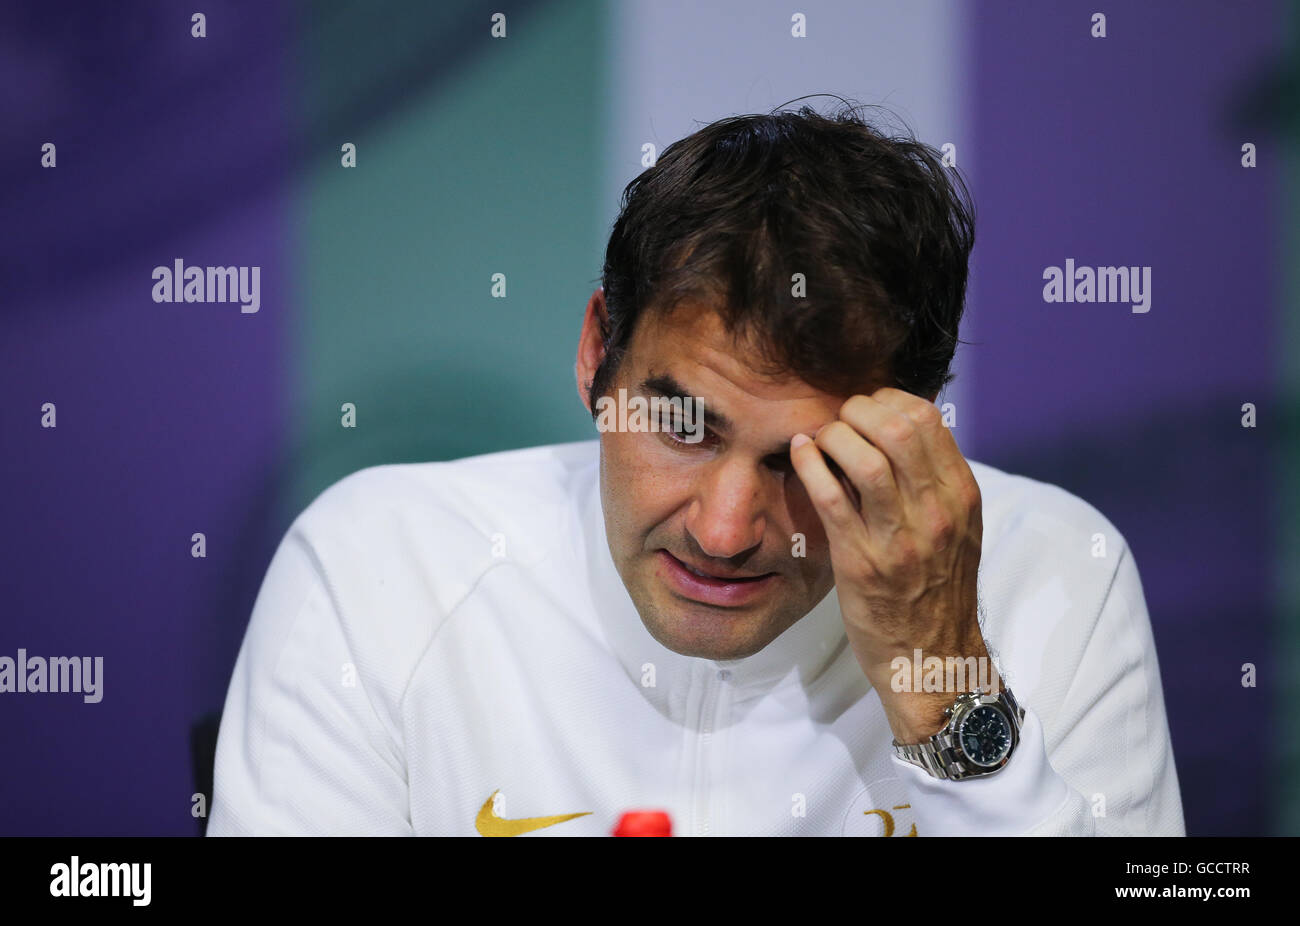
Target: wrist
{"points": [[980, 733], [915, 717]]}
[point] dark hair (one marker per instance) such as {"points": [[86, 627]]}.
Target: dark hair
{"points": [[879, 227]]}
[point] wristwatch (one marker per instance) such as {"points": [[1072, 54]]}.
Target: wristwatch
{"points": [[981, 734]]}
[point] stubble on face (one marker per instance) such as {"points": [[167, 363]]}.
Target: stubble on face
{"points": [[725, 503]]}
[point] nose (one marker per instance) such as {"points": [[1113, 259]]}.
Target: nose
{"points": [[726, 517]]}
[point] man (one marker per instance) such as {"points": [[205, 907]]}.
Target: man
{"points": [[748, 619]]}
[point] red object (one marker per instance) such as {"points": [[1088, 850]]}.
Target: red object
{"points": [[644, 823]]}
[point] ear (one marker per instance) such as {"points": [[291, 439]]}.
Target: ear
{"points": [[591, 345]]}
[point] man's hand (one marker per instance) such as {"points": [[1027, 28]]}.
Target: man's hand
{"points": [[904, 526]]}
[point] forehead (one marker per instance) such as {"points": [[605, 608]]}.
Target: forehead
{"points": [[691, 345]]}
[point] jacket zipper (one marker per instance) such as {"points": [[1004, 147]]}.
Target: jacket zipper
{"points": [[708, 705]]}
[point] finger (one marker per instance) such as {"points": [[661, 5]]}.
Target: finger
{"points": [[956, 483], [897, 436], [838, 513], [947, 462], [867, 469]]}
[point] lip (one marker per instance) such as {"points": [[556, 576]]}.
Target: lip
{"points": [[725, 592]]}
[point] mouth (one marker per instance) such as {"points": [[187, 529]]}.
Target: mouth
{"points": [[707, 588]]}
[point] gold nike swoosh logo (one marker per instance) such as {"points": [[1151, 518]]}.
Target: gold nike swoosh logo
{"points": [[489, 824]]}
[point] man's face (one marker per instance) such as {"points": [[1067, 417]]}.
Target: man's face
{"points": [[728, 506]]}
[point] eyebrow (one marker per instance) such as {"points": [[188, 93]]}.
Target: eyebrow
{"points": [[665, 386]]}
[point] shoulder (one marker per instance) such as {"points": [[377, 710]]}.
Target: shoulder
{"points": [[392, 550], [1059, 588], [442, 520], [1018, 505], [1049, 563], [476, 493]]}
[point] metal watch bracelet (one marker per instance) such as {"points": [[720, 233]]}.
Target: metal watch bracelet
{"points": [[941, 757]]}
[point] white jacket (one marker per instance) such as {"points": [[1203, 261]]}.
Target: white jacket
{"points": [[437, 644]]}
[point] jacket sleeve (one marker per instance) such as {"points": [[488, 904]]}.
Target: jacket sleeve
{"points": [[1103, 766], [301, 748]]}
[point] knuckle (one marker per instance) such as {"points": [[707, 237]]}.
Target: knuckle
{"points": [[899, 430], [874, 470], [942, 527], [829, 498], [926, 415], [905, 548]]}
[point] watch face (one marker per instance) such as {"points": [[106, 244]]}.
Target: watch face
{"points": [[985, 736]]}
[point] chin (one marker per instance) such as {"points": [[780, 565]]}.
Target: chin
{"points": [[710, 651], [702, 632]]}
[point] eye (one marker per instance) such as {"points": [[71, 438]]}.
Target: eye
{"points": [[678, 435], [674, 430]]}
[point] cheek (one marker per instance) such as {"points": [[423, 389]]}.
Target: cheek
{"points": [[642, 488]]}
